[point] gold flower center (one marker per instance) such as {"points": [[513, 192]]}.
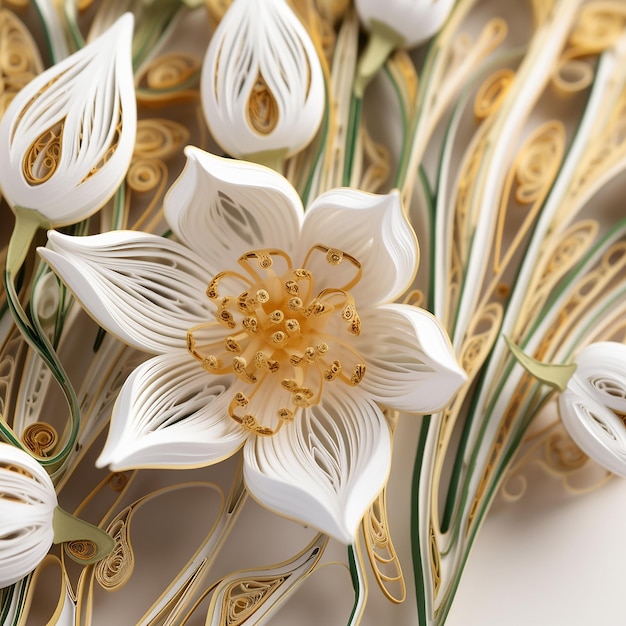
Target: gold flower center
{"points": [[281, 333]]}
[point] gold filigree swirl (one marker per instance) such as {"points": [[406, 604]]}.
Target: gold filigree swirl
{"points": [[40, 438]]}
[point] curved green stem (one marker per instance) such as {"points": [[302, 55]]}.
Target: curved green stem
{"points": [[69, 528]]}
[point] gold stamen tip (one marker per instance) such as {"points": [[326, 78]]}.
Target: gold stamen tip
{"points": [[210, 362], [277, 316], [292, 326], [285, 415], [249, 422], [262, 296], [358, 374], [289, 383], [295, 360], [232, 345], [295, 304], [278, 337], [322, 347], [273, 366], [264, 260], [243, 301], [191, 342], [291, 286], [334, 257], [310, 354], [302, 397], [302, 274], [241, 399], [250, 325], [239, 364], [333, 371], [355, 326]]}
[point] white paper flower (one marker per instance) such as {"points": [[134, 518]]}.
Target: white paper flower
{"points": [[262, 83], [414, 21], [67, 138], [288, 351], [593, 406], [27, 504]]}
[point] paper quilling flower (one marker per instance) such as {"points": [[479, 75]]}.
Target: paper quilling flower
{"points": [[592, 399], [413, 21], [67, 138], [273, 329], [27, 504], [262, 84], [593, 405]]}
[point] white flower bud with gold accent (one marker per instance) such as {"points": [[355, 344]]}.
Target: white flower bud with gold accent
{"points": [[262, 83], [67, 138], [413, 21], [27, 504]]}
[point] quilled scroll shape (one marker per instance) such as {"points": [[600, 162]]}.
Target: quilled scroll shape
{"points": [[67, 138], [262, 83]]}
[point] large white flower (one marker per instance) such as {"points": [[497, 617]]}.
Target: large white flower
{"points": [[272, 329]]}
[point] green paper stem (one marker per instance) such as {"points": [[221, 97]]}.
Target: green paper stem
{"points": [[556, 376], [69, 528], [274, 159], [27, 223], [382, 41]]}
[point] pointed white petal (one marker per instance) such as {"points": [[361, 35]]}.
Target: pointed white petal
{"points": [[67, 138], [222, 208], [371, 228], [326, 467], [262, 83], [410, 363], [171, 413], [594, 403], [27, 503], [144, 289]]}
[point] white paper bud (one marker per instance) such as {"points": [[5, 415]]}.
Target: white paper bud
{"points": [[262, 83], [414, 21], [593, 405], [67, 138], [27, 504]]}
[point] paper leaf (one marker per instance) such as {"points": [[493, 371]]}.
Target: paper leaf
{"points": [[410, 362], [373, 229], [27, 504], [222, 208], [327, 466], [67, 138], [171, 413], [262, 83], [146, 290]]}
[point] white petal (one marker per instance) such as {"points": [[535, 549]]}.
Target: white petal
{"points": [[67, 138], [327, 466], [262, 43], [171, 413], [222, 208], [598, 432], [144, 289], [593, 405], [371, 228], [602, 371], [410, 363], [415, 21], [27, 503]]}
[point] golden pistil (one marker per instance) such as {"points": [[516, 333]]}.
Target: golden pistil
{"points": [[277, 324]]}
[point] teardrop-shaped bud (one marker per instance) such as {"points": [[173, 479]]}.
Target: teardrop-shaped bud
{"points": [[27, 504], [67, 138], [262, 82], [413, 21]]}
